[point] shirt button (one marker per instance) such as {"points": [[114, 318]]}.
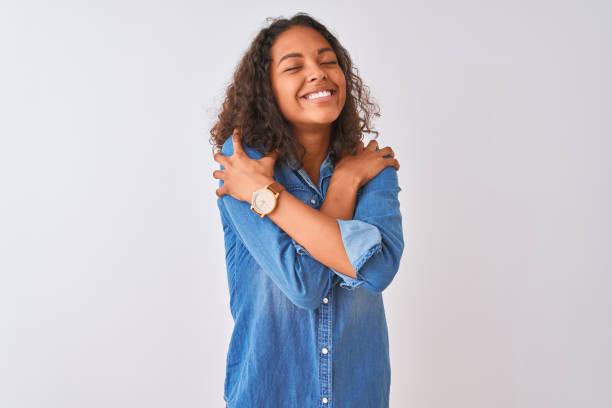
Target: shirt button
{"points": [[313, 201], [325, 300], [324, 400], [324, 350]]}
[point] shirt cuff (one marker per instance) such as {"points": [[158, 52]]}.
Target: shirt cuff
{"points": [[361, 241]]}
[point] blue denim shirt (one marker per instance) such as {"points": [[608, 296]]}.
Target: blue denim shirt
{"points": [[304, 334]]}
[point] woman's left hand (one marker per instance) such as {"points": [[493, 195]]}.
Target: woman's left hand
{"points": [[243, 175]]}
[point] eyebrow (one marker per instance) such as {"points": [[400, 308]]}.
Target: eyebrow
{"points": [[298, 55]]}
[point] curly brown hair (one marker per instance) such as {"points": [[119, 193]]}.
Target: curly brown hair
{"points": [[251, 106]]}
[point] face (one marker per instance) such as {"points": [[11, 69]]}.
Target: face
{"points": [[304, 62]]}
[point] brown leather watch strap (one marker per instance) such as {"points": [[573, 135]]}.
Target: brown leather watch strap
{"points": [[276, 187]]}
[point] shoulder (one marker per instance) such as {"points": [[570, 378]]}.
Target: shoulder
{"points": [[228, 149], [385, 179]]}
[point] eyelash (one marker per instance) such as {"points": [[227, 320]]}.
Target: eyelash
{"points": [[299, 66]]}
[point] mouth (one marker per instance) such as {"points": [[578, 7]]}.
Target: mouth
{"points": [[319, 97]]}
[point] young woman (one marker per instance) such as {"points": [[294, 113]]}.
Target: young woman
{"points": [[312, 225]]}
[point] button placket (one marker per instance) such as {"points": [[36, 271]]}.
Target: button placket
{"points": [[324, 340], [306, 179]]}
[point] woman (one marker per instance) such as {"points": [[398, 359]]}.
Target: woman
{"points": [[312, 225]]}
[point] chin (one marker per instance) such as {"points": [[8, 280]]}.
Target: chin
{"points": [[323, 119]]}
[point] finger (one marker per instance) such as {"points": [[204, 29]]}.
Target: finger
{"points": [[386, 151], [359, 147], [219, 174], [221, 159], [393, 162], [237, 142], [219, 192], [372, 145]]}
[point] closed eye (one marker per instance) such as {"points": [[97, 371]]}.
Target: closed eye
{"points": [[299, 66]]}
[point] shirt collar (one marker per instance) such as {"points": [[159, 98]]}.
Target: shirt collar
{"points": [[327, 167]]}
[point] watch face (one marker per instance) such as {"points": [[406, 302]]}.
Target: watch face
{"points": [[263, 201]]}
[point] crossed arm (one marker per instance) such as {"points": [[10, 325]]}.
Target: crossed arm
{"points": [[368, 233], [318, 231], [340, 199]]}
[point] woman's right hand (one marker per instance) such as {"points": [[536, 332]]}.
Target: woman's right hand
{"points": [[366, 163]]}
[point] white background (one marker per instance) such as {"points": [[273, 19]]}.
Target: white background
{"points": [[113, 289]]}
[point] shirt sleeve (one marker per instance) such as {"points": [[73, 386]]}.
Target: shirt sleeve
{"points": [[302, 278], [373, 239]]}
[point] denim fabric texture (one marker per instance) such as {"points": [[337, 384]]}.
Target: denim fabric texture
{"points": [[305, 335]]}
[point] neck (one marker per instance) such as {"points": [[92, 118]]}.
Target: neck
{"points": [[316, 143]]}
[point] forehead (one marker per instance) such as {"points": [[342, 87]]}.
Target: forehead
{"points": [[297, 39]]}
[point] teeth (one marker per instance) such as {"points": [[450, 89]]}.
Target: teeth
{"points": [[319, 95]]}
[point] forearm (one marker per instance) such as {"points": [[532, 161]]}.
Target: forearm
{"points": [[340, 199], [318, 231]]}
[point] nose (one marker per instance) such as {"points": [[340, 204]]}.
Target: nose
{"points": [[318, 73]]}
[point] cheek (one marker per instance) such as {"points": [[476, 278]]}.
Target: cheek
{"points": [[342, 95], [285, 95], [341, 81]]}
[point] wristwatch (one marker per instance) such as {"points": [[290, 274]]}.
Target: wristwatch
{"points": [[264, 200]]}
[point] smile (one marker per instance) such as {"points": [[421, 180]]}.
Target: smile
{"points": [[319, 97]]}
